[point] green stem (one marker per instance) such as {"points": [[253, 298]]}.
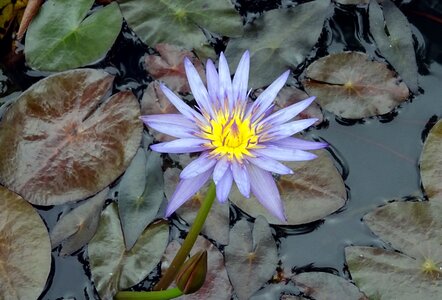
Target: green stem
{"points": [[158, 295], [189, 241]]}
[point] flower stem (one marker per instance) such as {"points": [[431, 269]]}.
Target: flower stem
{"points": [[189, 241], [157, 295]]}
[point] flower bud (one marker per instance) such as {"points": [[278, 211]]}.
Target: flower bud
{"points": [[192, 274]]}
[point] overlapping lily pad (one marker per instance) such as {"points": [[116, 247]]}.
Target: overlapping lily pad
{"points": [[392, 34], [114, 268], [61, 141], [415, 229], [251, 256], [278, 40], [25, 249], [315, 190], [61, 37], [181, 22], [431, 163], [353, 86]]}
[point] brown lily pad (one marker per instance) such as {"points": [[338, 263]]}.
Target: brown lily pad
{"points": [[25, 249], [353, 86], [61, 141]]}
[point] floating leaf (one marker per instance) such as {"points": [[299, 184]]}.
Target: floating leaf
{"points": [[140, 194], [169, 67], [180, 22], [60, 141], [217, 225], [77, 227], [315, 190], [325, 286], [114, 268], [352, 86], [278, 40], [217, 284], [25, 249], [394, 39], [60, 37], [251, 257], [431, 163], [414, 228]]}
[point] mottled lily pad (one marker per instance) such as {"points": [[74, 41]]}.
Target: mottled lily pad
{"points": [[278, 40], [415, 229], [25, 249], [315, 190], [169, 67], [114, 268], [352, 86], [431, 163], [61, 37], [78, 226], [181, 22], [251, 256], [140, 194], [394, 39], [61, 141]]}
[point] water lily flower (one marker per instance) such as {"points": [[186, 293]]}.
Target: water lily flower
{"points": [[239, 140]]}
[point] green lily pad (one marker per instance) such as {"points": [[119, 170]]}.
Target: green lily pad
{"points": [[278, 40], [315, 190], [394, 39], [25, 249], [352, 86], [140, 194], [415, 229], [78, 226], [62, 140], [61, 37], [251, 256], [114, 268], [431, 163], [180, 22]]}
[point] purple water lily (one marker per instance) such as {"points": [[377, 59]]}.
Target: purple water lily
{"points": [[239, 140]]}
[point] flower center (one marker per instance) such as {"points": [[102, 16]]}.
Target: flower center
{"points": [[231, 135]]}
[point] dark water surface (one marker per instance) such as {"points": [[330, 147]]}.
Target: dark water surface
{"points": [[378, 156]]}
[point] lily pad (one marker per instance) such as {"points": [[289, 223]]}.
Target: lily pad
{"points": [[140, 194], [431, 163], [77, 227], [278, 40], [325, 286], [315, 190], [251, 256], [60, 141], [414, 228], [181, 22], [114, 268], [61, 37], [394, 39], [169, 66], [25, 249], [352, 86]]}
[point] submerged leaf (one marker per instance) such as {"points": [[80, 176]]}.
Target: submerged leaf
{"points": [[278, 40], [431, 163], [77, 227], [61, 37], [114, 268], [251, 256], [315, 190], [394, 39], [352, 86], [25, 249], [61, 141], [140, 194]]}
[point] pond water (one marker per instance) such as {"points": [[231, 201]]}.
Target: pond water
{"points": [[378, 157]]}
